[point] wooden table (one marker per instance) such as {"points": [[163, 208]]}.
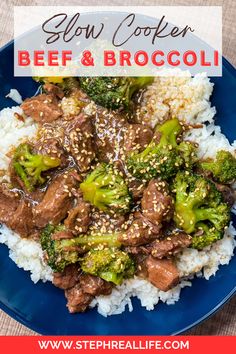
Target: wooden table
{"points": [[224, 322]]}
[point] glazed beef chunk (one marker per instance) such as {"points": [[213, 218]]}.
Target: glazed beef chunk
{"points": [[78, 217], [62, 235], [156, 208], [57, 200], [227, 192], [54, 90], [109, 135], [79, 141], [42, 108], [22, 221], [162, 273], [115, 137], [77, 299], [136, 188], [68, 278], [140, 232], [16, 212], [136, 137], [94, 285], [9, 202], [157, 204], [80, 296], [169, 246]]}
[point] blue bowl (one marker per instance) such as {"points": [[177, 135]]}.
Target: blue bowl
{"points": [[42, 307]]}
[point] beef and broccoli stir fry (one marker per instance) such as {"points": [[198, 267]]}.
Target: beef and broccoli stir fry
{"points": [[107, 197]]}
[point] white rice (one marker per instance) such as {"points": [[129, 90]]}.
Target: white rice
{"points": [[210, 140], [149, 296], [12, 131], [181, 96], [27, 254]]}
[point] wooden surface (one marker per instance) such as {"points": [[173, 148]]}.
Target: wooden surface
{"points": [[224, 322]]}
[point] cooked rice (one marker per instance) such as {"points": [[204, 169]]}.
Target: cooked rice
{"points": [[27, 254], [181, 96], [12, 132], [210, 140]]}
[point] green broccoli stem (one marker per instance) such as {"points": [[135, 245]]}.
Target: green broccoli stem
{"points": [[21, 173], [91, 241], [29, 166], [139, 83], [169, 132], [208, 165], [111, 277]]}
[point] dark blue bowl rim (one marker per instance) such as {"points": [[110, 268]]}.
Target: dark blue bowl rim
{"points": [[31, 326]]}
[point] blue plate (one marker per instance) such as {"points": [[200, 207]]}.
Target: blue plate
{"points": [[42, 307]]}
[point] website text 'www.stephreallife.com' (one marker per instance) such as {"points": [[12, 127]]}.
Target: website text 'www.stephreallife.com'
{"points": [[111, 344]]}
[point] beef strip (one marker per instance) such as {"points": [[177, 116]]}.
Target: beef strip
{"points": [[227, 192], [16, 212], [104, 222], [42, 108], [157, 204], [140, 232], [78, 217], [62, 235], [94, 285], [16, 181], [136, 137], [80, 296], [9, 202], [54, 90], [137, 188], [141, 266], [137, 250], [56, 202], [169, 246], [162, 273], [77, 299], [79, 140], [22, 220], [109, 134], [68, 278]]}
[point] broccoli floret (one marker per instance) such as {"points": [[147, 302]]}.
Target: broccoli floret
{"points": [[161, 159], [29, 166], [223, 168], [60, 253], [198, 202], [209, 235], [57, 257], [105, 188], [188, 153], [113, 92], [112, 265]]}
